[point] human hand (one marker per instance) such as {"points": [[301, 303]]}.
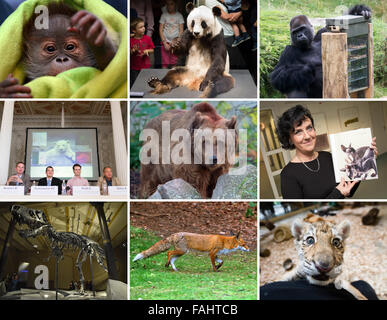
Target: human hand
{"points": [[373, 146], [167, 46], [345, 187], [233, 17], [144, 53], [134, 49], [15, 178]]}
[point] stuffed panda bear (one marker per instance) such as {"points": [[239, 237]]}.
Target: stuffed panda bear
{"points": [[207, 63]]}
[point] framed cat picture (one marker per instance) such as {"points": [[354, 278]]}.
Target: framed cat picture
{"points": [[352, 155]]}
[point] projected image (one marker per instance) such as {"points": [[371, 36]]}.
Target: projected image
{"points": [[61, 149]]}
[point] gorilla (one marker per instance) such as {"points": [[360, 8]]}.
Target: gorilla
{"points": [[298, 73]]}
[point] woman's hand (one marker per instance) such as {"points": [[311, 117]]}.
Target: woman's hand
{"points": [[345, 187], [373, 146]]}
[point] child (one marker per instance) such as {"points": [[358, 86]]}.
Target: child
{"points": [[140, 47], [232, 7], [171, 26]]}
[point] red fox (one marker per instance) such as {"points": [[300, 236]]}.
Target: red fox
{"points": [[184, 242]]}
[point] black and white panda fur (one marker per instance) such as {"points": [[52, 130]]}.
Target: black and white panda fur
{"points": [[207, 63]]}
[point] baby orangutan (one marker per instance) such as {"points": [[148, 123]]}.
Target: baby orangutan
{"points": [[73, 39]]}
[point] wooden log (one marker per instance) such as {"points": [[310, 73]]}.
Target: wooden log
{"points": [[334, 65], [369, 93]]}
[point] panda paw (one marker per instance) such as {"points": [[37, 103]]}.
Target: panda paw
{"points": [[175, 43], [153, 81], [205, 84]]}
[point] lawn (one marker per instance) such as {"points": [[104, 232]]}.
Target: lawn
{"points": [[274, 35], [150, 280]]}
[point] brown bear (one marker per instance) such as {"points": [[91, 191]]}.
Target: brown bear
{"points": [[201, 176]]}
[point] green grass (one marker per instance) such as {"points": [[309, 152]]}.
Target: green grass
{"points": [[150, 280], [274, 35]]}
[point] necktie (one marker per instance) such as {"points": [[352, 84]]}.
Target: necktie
{"points": [[49, 182]]}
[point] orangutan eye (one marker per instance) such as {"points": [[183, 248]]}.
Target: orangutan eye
{"points": [[336, 242], [310, 240]]}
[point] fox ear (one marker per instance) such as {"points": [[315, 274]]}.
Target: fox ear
{"points": [[238, 234]]}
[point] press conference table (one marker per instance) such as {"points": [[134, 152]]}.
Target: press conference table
{"points": [[59, 198]]}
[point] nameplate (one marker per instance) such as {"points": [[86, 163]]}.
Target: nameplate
{"points": [[86, 191], [12, 190], [118, 190], [44, 191]]}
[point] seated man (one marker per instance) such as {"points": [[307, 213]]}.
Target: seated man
{"points": [[108, 177], [20, 178], [76, 180], [50, 180]]}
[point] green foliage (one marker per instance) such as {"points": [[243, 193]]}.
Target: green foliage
{"points": [[145, 111], [274, 35], [149, 279], [250, 210]]}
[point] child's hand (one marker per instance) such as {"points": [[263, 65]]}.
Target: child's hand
{"points": [[167, 46], [134, 49], [145, 53]]}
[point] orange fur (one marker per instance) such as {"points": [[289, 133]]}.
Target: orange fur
{"points": [[184, 242]]}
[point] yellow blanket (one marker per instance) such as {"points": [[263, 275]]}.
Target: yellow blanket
{"points": [[84, 82]]}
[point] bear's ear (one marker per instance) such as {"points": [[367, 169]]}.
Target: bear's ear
{"points": [[216, 11], [196, 122], [189, 7], [230, 124]]}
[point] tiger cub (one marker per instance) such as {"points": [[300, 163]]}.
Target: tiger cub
{"points": [[320, 247]]}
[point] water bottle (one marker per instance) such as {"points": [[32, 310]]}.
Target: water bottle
{"points": [[64, 188], [104, 188]]}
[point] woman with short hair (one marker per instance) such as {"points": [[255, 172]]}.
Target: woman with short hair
{"points": [[310, 174]]}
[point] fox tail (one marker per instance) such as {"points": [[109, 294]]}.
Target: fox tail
{"points": [[158, 247]]}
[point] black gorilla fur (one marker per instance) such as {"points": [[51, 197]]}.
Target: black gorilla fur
{"points": [[298, 73]]}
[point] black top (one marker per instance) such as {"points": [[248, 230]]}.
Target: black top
{"points": [[297, 182], [302, 290], [54, 182]]}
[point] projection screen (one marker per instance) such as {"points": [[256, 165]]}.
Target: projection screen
{"points": [[61, 148]]}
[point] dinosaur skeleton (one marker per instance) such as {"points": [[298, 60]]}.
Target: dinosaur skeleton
{"points": [[37, 224]]}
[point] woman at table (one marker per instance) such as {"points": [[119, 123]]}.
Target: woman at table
{"points": [[310, 174]]}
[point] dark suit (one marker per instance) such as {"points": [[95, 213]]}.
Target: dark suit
{"points": [[54, 182]]}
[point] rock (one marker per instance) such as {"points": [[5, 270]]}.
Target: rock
{"points": [[240, 183], [116, 290], [175, 189]]}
